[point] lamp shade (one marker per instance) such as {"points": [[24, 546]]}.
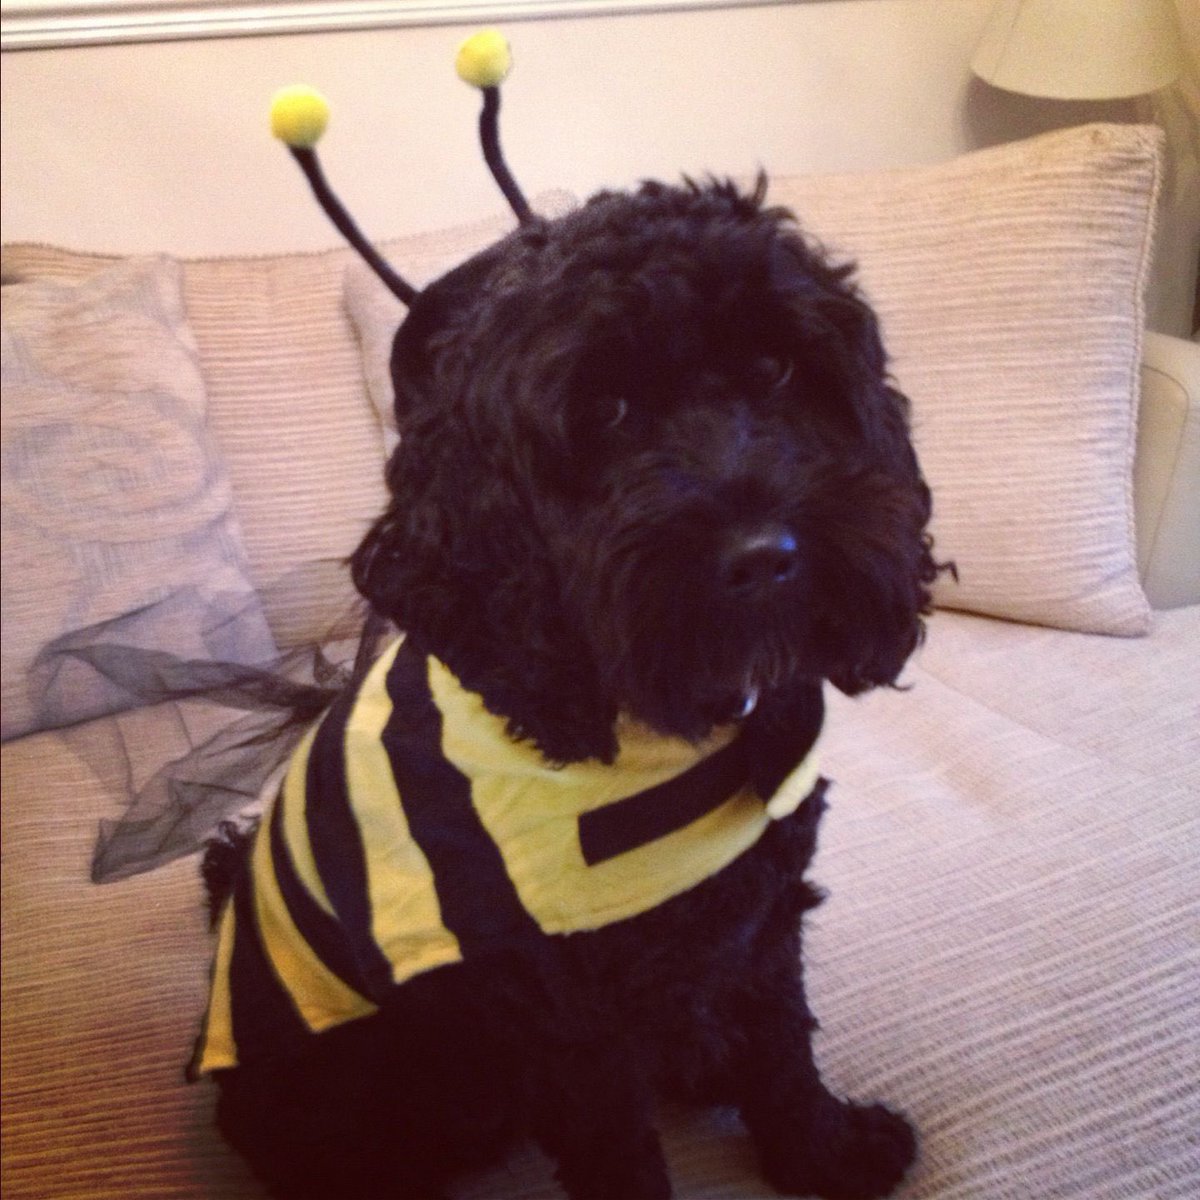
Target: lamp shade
{"points": [[1080, 49]]}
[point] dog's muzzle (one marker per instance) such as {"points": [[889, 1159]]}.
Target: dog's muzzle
{"points": [[756, 562]]}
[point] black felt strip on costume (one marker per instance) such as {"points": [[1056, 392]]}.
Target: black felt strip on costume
{"points": [[320, 930], [265, 1020], [762, 756], [646, 816], [478, 901], [337, 846]]}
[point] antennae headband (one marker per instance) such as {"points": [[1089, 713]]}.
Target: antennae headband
{"points": [[300, 114]]}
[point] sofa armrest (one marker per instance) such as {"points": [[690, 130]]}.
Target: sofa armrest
{"points": [[1166, 475]]}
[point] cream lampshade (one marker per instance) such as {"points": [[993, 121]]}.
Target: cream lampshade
{"points": [[1080, 49]]}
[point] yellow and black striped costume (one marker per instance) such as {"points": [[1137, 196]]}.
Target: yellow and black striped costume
{"points": [[412, 831]]}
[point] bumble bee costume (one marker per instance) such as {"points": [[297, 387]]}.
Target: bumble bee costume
{"points": [[412, 831]]}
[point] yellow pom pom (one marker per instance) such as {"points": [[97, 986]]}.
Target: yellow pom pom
{"points": [[484, 59], [299, 115]]}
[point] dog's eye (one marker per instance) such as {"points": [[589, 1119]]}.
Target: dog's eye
{"points": [[596, 418], [771, 373], [610, 412]]}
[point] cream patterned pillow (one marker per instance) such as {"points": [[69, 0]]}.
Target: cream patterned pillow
{"points": [[1009, 283], [117, 512]]}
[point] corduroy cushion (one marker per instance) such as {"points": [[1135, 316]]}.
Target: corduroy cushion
{"points": [[1009, 283], [116, 503]]}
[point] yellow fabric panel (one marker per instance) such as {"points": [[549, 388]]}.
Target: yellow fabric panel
{"points": [[320, 996], [795, 789], [293, 797], [531, 811], [219, 1049], [406, 919]]}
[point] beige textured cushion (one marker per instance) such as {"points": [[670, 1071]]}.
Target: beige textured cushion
{"points": [[1009, 283], [1167, 472], [293, 419], [103, 990], [116, 504]]}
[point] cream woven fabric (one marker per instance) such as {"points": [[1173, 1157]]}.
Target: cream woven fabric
{"points": [[1010, 283]]}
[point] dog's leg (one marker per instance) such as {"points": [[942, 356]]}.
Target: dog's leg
{"points": [[591, 1112], [583, 1093], [809, 1141]]}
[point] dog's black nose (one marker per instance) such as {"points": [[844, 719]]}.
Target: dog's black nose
{"points": [[760, 559]]}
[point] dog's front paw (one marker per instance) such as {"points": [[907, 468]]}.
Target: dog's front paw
{"points": [[843, 1152], [620, 1176]]}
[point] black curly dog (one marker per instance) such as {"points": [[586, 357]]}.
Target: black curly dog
{"points": [[651, 464]]}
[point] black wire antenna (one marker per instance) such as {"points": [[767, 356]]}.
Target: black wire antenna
{"points": [[489, 136], [336, 211]]}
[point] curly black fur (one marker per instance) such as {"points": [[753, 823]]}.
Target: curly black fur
{"points": [[591, 411], [651, 462]]}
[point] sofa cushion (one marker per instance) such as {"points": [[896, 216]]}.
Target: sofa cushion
{"points": [[117, 509], [1008, 951], [103, 991], [1009, 283]]}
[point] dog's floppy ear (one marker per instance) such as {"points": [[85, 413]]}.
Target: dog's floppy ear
{"points": [[429, 321], [457, 562], [880, 565]]}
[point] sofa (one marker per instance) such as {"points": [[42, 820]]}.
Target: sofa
{"points": [[1010, 945]]}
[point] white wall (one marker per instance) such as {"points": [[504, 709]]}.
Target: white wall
{"points": [[164, 146]]}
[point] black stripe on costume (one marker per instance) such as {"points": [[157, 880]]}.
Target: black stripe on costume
{"points": [[478, 901], [646, 816], [337, 848], [320, 930], [264, 1019], [762, 755]]}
